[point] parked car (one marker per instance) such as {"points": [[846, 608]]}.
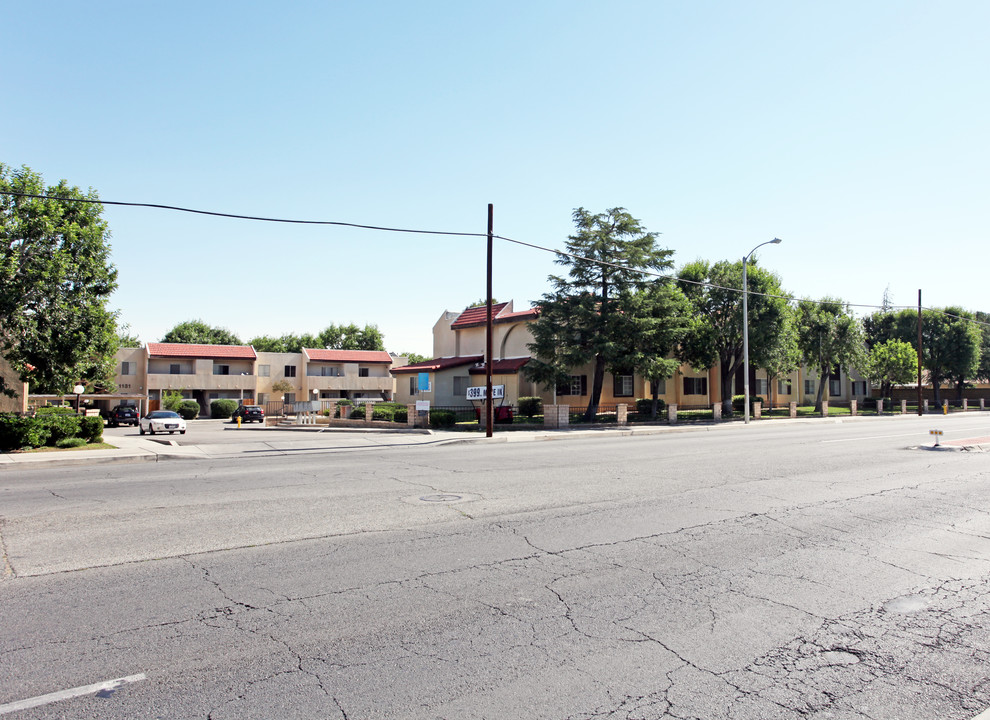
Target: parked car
{"points": [[248, 413], [162, 421], [122, 415]]}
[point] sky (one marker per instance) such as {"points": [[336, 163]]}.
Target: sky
{"points": [[855, 132]]}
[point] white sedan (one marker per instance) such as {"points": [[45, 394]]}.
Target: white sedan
{"points": [[162, 421]]}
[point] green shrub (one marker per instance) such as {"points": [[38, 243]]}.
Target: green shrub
{"points": [[189, 409], [71, 442], [739, 400], [346, 402], [530, 406], [222, 409], [357, 413], [91, 429], [21, 432], [442, 418], [644, 406], [171, 400], [54, 410], [401, 416], [383, 413], [60, 426]]}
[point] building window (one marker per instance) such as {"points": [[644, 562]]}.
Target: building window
{"points": [[413, 385], [760, 387], [174, 369], [859, 387], [809, 387], [695, 386], [290, 371], [834, 387], [622, 386], [264, 370], [362, 372], [262, 398], [221, 369], [127, 368], [784, 387], [461, 384], [289, 397], [575, 385]]}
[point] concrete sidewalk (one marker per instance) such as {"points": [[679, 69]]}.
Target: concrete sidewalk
{"points": [[322, 440]]}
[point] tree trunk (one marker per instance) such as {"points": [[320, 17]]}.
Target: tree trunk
{"points": [[823, 381], [655, 390], [727, 375], [596, 389]]}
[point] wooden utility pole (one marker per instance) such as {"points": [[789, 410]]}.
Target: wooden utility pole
{"points": [[489, 408]]}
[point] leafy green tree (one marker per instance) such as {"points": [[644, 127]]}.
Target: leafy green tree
{"points": [[983, 369], [171, 400], [783, 355], [482, 303], [716, 333], [950, 345], [198, 332], [580, 319], [413, 358], [351, 337], [55, 281], [126, 339], [892, 362], [658, 317], [829, 337]]}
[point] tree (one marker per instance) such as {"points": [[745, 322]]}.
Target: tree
{"points": [[892, 362], [55, 281], [983, 369], [829, 338], [482, 303], [198, 332], [351, 337], [716, 333], [950, 345], [413, 358], [658, 318], [126, 339], [581, 317], [783, 355]]}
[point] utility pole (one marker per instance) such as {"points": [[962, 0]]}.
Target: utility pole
{"points": [[489, 409]]}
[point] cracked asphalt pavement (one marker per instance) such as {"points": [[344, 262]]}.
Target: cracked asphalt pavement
{"points": [[831, 571]]}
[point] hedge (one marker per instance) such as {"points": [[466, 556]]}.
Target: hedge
{"points": [[48, 428], [530, 406], [222, 409], [189, 409]]}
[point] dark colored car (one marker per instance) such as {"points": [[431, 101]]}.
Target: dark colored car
{"points": [[249, 413], [122, 415]]}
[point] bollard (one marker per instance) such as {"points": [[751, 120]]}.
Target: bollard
{"points": [[879, 406], [853, 406], [792, 409], [672, 414], [903, 407], [716, 411]]}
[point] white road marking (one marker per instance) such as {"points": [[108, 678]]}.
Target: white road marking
{"points": [[71, 693], [913, 434]]}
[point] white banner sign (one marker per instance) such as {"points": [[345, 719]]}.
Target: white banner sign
{"points": [[478, 393], [422, 405]]}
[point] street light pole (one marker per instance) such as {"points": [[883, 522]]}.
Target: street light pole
{"points": [[775, 241]]}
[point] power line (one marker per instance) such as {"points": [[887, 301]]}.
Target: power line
{"points": [[336, 223]]}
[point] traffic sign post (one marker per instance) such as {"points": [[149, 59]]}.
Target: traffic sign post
{"points": [[936, 434]]}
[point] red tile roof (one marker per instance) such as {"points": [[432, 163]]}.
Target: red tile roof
{"points": [[501, 367], [474, 316], [438, 364], [188, 350], [349, 356], [530, 314]]}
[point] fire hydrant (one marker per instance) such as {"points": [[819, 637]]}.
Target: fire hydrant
{"points": [[238, 422]]}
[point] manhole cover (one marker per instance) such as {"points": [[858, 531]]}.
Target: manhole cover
{"points": [[441, 498]]}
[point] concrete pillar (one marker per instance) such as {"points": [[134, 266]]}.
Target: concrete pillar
{"points": [[369, 411], [965, 404], [903, 407], [411, 415], [853, 407], [983, 404], [757, 410], [672, 414], [622, 414], [716, 411], [792, 409], [924, 405], [332, 409], [879, 406], [824, 408], [556, 416]]}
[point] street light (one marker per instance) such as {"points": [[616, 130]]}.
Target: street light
{"points": [[78, 390], [775, 241]]}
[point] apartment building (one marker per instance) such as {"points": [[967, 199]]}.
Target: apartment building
{"points": [[238, 372]]}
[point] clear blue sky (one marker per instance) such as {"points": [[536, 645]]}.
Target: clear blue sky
{"points": [[857, 132]]}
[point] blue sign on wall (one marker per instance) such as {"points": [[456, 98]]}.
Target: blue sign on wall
{"points": [[423, 384]]}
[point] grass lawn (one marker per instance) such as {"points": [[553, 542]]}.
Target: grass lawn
{"points": [[90, 446]]}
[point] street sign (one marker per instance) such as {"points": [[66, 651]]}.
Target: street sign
{"points": [[479, 393], [423, 382], [422, 405], [936, 434]]}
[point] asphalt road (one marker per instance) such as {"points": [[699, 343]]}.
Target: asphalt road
{"points": [[772, 571]]}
